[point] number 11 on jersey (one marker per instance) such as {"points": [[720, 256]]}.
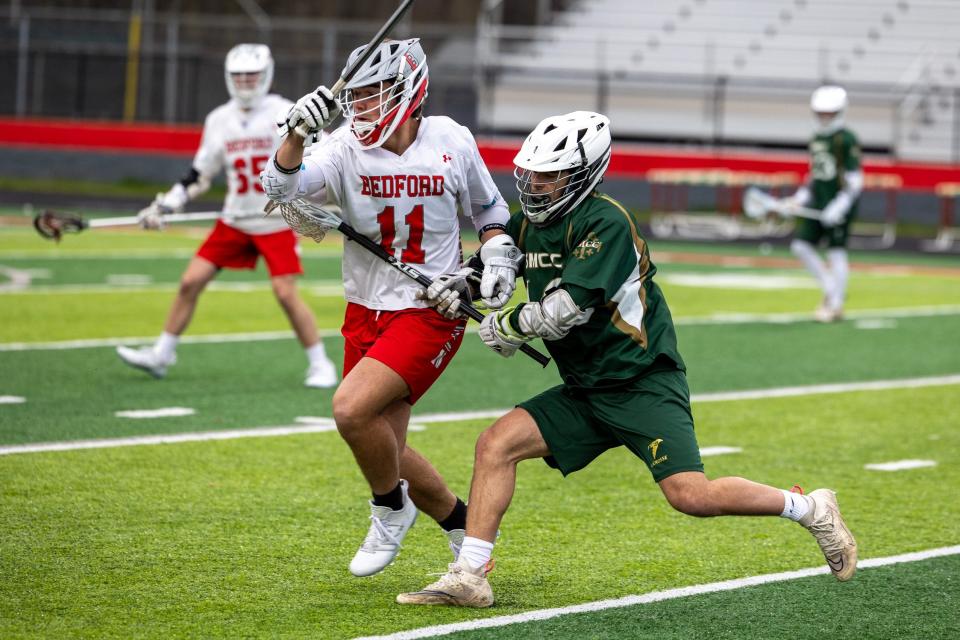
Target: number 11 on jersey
{"points": [[413, 252]]}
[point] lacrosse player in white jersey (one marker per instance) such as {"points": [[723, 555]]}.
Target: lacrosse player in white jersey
{"points": [[400, 179], [240, 137]]}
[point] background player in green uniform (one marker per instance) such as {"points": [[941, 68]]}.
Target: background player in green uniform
{"points": [[833, 186], [607, 325]]}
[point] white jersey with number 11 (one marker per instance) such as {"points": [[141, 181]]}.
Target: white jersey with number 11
{"points": [[407, 203]]}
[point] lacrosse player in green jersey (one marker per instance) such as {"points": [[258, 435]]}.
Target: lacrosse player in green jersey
{"points": [[607, 325], [834, 187]]}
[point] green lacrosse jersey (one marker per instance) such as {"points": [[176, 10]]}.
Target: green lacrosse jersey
{"points": [[831, 156], [596, 253]]}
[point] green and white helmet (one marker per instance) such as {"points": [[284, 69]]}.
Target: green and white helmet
{"points": [[248, 71], [828, 104], [577, 145]]}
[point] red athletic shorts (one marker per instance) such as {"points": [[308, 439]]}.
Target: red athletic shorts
{"points": [[416, 343], [231, 248]]}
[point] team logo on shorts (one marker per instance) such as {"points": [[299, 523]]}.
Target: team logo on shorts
{"points": [[654, 447]]}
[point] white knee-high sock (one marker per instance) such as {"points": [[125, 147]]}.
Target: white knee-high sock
{"points": [[840, 268], [808, 256]]}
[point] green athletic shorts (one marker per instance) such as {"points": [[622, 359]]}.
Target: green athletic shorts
{"points": [[812, 231], [651, 417]]}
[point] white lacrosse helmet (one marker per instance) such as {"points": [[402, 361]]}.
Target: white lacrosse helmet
{"points": [[575, 146], [398, 72], [249, 73], [828, 104]]}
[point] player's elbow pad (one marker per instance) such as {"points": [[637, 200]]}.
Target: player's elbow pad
{"points": [[195, 183], [853, 183], [279, 185], [495, 216], [553, 317]]}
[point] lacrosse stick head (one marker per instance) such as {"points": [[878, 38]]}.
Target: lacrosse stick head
{"points": [[52, 225], [306, 218]]}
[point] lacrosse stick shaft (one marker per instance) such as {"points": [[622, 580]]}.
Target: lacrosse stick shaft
{"points": [[372, 45], [423, 281], [351, 71], [124, 221]]}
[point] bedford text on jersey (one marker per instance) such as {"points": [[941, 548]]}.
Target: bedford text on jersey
{"points": [[396, 186]]}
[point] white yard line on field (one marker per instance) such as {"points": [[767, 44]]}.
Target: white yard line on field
{"points": [[840, 387], [900, 465], [214, 338], [717, 319], [791, 318], [655, 596], [163, 412], [317, 287], [315, 424]]}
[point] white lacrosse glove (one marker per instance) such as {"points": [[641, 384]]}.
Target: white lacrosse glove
{"points": [[174, 200], [836, 210], [496, 333], [150, 217], [447, 292], [311, 113], [798, 200], [501, 261]]}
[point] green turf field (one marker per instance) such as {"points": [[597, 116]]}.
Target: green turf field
{"points": [[251, 537]]}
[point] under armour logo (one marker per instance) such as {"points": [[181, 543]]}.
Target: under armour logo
{"points": [[447, 158]]}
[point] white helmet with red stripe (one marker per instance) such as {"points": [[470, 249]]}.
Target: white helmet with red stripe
{"points": [[397, 74], [249, 73]]}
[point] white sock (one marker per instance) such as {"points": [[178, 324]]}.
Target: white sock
{"points": [[795, 506], [840, 268], [476, 552], [166, 345], [808, 256], [316, 354]]}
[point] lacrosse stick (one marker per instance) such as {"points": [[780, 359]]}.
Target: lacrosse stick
{"points": [[757, 203], [351, 71], [53, 224], [313, 221]]}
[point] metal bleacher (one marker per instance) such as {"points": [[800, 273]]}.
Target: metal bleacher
{"points": [[737, 70]]}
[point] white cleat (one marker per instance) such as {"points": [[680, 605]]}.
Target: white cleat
{"points": [[146, 359], [461, 586], [387, 530], [826, 313], [824, 521], [321, 375]]}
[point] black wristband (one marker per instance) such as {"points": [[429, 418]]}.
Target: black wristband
{"points": [[491, 227], [192, 176], [284, 169]]}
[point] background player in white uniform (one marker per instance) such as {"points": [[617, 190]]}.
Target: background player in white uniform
{"points": [[240, 137], [400, 179]]}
